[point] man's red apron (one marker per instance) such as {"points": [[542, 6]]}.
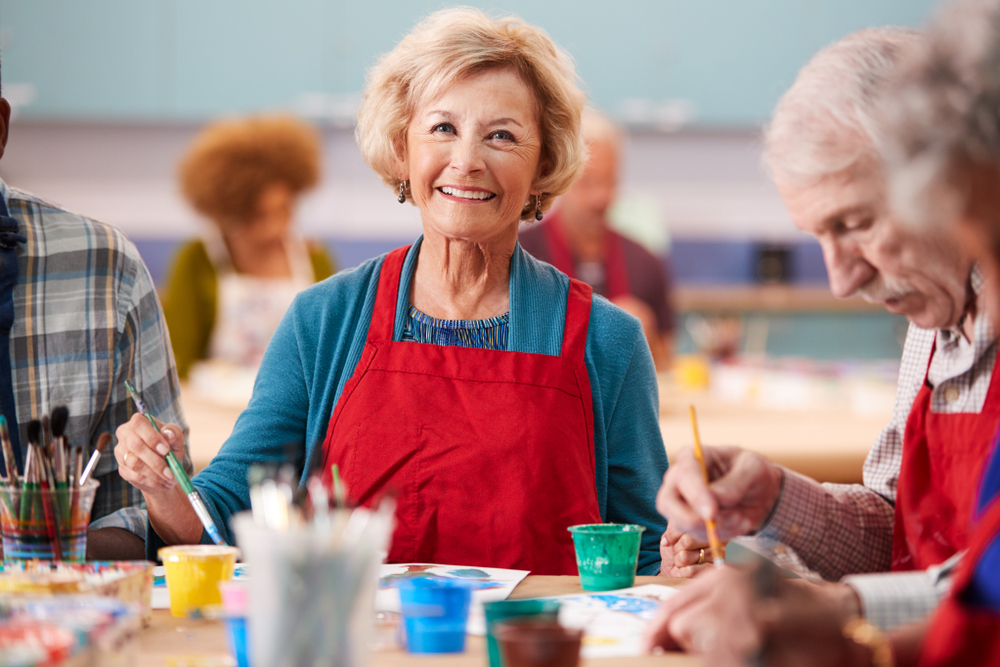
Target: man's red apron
{"points": [[491, 452], [943, 457], [959, 634], [561, 257]]}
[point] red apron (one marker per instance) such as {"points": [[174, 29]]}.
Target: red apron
{"points": [[491, 452], [943, 457], [959, 634], [561, 257]]}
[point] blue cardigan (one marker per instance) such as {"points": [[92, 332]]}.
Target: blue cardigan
{"points": [[318, 345]]}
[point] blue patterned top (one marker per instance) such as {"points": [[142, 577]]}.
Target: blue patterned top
{"points": [[489, 334]]}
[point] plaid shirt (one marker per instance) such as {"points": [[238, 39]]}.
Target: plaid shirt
{"points": [[86, 318], [841, 529]]}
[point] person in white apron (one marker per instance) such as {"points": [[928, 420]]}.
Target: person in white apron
{"points": [[229, 289]]}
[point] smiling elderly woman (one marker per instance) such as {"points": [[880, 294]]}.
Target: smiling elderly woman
{"points": [[499, 398]]}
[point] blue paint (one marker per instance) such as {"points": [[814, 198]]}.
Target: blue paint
{"points": [[631, 605]]}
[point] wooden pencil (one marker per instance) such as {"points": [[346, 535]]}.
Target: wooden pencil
{"points": [[718, 556]]}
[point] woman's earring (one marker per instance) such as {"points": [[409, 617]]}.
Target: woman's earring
{"points": [[538, 207], [402, 192]]}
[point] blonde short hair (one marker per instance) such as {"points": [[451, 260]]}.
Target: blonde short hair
{"points": [[230, 162], [452, 44]]}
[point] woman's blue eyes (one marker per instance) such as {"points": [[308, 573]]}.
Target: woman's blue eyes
{"points": [[502, 135]]}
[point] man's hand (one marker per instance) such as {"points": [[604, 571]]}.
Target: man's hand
{"points": [[720, 613], [743, 490], [680, 553]]}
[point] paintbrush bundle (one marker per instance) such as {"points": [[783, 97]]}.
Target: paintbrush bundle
{"points": [[45, 511], [314, 572]]}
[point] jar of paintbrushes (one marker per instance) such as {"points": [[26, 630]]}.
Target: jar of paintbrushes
{"points": [[45, 511], [313, 571]]}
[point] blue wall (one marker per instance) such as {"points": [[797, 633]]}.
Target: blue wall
{"points": [[729, 60]]}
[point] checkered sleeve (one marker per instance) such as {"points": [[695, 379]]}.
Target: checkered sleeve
{"points": [[834, 528], [142, 355], [891, 599], [840, 529]]}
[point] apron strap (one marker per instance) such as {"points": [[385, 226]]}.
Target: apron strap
{"points": [[384, 315], [574, 345], [9, 238]]}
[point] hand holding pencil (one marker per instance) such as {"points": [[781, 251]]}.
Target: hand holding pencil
{"points": [[739, 493]]}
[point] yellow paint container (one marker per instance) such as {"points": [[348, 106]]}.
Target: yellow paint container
{"points": [[193, 575]]}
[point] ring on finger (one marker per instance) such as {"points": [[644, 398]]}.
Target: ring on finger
{"points": [[125, 463], [701, 553]]}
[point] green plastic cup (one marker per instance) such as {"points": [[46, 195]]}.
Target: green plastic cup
{"points": [[544, 610], [606, 554]]}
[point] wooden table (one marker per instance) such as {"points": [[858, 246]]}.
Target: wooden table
{"points": [[202, 643]]}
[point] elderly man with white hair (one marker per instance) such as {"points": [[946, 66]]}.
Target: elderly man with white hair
{"points": [[939, 129], [912, 514]]}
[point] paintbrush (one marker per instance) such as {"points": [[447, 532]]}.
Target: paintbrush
{"points": [[42, 485], [102, 444], [76, 463], [718, 556], [27, 494], [60, 416], [338, 487], [9, 459], [52, 521], [180, 474]]}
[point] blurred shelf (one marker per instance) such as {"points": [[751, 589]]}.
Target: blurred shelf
{"points": [[768, 298]]}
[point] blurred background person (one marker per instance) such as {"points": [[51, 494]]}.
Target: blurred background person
{"points": [[577, 239], [228, 290]]}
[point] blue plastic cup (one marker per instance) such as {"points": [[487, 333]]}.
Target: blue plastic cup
{"points": [[434, 613], [236, 628]]}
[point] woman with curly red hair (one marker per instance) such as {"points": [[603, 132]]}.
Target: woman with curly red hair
{"points": [[229, 289]]}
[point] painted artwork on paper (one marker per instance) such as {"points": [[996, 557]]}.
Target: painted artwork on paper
{"points": [[487, 583], [613, 622]]}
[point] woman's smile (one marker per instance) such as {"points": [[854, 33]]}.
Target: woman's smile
{"points": [[466, 194]]}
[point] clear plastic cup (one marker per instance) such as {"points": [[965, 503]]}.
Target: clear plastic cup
{"points": [[606, 554], [31, 520]]}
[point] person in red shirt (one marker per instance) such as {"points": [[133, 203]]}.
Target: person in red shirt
{"points": [[577, 239]]}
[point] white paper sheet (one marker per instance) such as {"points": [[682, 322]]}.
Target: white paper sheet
{"points": [[613, 621]]}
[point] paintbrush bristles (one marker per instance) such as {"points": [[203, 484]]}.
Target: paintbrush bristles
{"points": [[103, 442], [60, 415], [34, 432]]}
